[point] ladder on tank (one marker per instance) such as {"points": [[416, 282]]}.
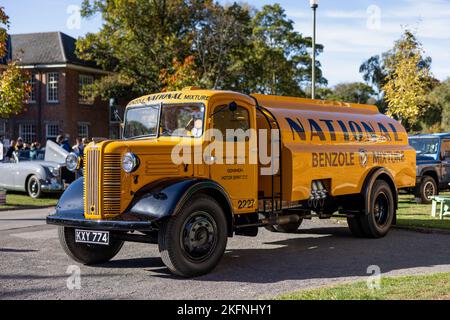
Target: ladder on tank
{"points": [[273, 204]]}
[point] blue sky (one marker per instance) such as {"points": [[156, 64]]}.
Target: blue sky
{"points": [[351, 31]]}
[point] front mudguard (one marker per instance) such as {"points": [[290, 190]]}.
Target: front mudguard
{"points": [[70, 213], [160, 199], [165, 197]]}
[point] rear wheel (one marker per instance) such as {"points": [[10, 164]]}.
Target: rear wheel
{"points": [[427, 189], [377, 222], [87, 253], [354, 224], [193, 241], [34, 187]]}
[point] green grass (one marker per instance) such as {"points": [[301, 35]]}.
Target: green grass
{"points": [[412, 214], [17, 200], [427, 287]]}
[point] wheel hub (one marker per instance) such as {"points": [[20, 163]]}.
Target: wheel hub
{"points": [[429, 190], [34, 187], [381, 209], [199, 236]]}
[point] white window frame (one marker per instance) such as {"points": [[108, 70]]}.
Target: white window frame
{"points": [[32, 98], [48, 134], [53, 84], [84, 79], [26, 131], [84, 125]]}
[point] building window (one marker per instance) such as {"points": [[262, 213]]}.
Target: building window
{"points": [[85, 89], [83, 130], [28, 132], [52, 87], [32, 98], [52, 131]]}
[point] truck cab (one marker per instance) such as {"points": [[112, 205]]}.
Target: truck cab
{"points": [[197, 166], [433, 164]]}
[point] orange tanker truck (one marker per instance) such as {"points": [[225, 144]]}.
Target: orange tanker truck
{"points": [[195, 167]]}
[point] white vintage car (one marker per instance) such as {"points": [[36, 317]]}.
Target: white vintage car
{"points": [[46, 173]]}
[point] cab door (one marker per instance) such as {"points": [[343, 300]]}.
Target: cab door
{"points": [[445, 156], [233, 161]]}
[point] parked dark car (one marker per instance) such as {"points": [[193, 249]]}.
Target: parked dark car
{"points": [[433, 164]]}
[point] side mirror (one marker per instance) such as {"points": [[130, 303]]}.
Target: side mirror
{"points": [[233, 106]]}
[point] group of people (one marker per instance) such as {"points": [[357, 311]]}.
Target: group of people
{"points": [[35, 147], [18, 145], [78, 148]]}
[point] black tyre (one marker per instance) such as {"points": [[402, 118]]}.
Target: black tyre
{"points": [[377, 222], [426, 190], [354, 224], [192, 242], [84, 253], [34, 187], [289, 227]]}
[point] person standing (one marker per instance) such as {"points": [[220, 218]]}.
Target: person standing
{"points": [[19, 144], [11, 148], [63, 143], [78, 148]]}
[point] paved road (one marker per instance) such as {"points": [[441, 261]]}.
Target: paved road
{"points": [[33, 266]]}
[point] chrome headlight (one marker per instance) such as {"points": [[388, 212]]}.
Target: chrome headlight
{"points": [[54, 171], [130, 162], [73, 162]]}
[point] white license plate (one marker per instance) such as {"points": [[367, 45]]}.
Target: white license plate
{"points": [[92, 236]]}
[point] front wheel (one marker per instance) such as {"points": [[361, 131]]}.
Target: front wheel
{"points": [[193, 241], [34, 187], [87, 253], [426, 190]]}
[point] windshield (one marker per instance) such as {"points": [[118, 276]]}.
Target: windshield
{"points": [[425, 146], [179, 120]]}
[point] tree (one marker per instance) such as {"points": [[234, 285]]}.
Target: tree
{"points": [[439, 99], [280, 59], [356, 92], [183, 74], [138, 39], [4, 20], [165, 44], [408, 80], [14, 84], [220, 42]]}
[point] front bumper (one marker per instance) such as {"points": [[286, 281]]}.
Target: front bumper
{"points": [[52, 186], [125, 222]]}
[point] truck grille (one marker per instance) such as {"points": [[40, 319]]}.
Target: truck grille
{"points": [[91, 183], [111, 184], [102, 184]]}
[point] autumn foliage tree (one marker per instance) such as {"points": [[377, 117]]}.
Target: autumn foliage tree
{"points": [[14, 84], [167, 44], [183, 74], [407, 82]]}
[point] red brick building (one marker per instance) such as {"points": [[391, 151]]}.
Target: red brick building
{"points": [[57, 105]]}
